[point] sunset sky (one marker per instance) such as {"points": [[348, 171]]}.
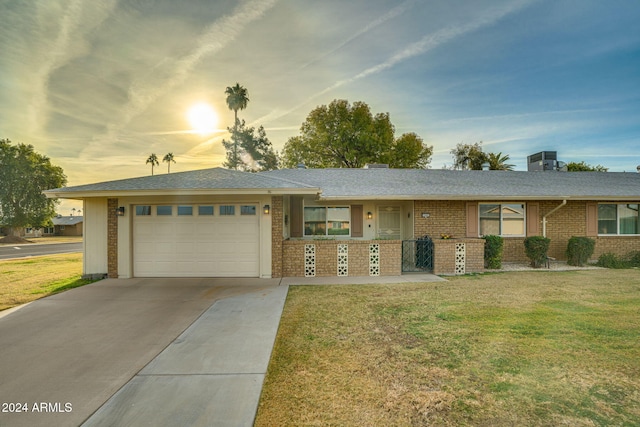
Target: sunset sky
{"points": [[100, 85]]}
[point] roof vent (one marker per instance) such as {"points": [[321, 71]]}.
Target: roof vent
{"points": [[377, 166], [486, 166], [638, 168], [301, 166]]}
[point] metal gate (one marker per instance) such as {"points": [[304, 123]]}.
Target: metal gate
{"points": [[417, 255]]}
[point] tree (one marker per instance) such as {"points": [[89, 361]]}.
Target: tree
{"points": [[153, 159], [345, 135], [498, 162], [24, 175], [168, 158], [471, 157], [249, 151], [584, 167], [237, 99]]}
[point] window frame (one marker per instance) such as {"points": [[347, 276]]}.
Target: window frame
{"points": [[617, 233], [501, 205]]}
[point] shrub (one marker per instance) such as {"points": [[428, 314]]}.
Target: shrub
{"points": [[536, 248], [493, 246], [579, 249], [611, 260], [634, 258]]}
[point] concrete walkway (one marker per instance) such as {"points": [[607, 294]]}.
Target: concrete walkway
{"points": [[211, 375], [368, 280]]}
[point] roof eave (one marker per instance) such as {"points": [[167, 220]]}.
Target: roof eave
{"points": [[79, 195]]}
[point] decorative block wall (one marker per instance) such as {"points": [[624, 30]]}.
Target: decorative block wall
{"points": [[341, 258], [458, 256]]}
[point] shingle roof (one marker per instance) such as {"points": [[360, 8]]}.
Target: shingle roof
{"points": [[379, 184], [455, 184], [67, 220], [198, 180]]}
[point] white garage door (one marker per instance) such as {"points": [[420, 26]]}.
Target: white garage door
{"points": [[217, 240]]}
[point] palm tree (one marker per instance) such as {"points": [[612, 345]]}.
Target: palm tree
{"points": [[168, 158], [237, 99], [153, 159], [498, 162]]}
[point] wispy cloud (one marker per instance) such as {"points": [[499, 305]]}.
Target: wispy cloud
{"points": [[144, 91], [65, 46], [422, 46], [393, 13]]}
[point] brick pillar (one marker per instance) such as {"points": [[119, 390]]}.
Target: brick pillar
{"points": [[276, 235], [112, 239]]}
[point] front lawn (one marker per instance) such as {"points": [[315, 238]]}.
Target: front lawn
{"points": [[26, 279], [525, 348]]}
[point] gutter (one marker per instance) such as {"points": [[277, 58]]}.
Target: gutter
{"points": [[544, 218]]}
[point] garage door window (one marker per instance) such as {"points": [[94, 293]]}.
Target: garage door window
{"points": [[248, 210], [227, 210], [205, 210], [164, 210], [185, 210], [143, 210]]}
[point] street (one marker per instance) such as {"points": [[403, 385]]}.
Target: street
{"points": [[23, 251]]}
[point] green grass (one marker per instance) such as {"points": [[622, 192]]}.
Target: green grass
{"points": [[25, 280], [529, 348]]}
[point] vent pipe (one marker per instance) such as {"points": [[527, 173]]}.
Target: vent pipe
{"points": [[544, 218]]}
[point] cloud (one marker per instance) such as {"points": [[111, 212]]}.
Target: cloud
{"points": [[422, 46], [144, 91], [75, 22]]}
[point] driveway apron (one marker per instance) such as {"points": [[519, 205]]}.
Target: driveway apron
{"points": [[63, 357]]}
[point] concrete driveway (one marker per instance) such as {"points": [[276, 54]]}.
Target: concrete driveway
{"points": [[140, 352]]}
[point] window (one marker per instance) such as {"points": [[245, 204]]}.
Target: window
{"points": [[164, 210], [502, 219], [326, 221], [185, 210], [227, 210], [143, 210], [618, 219], [248, 210], [205, 210]]}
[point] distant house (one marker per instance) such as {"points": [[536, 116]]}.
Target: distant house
{"points": [[62, 226], [67, 225], [344, 222]]}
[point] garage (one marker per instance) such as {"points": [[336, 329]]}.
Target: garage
{"points": [[196, 240]]}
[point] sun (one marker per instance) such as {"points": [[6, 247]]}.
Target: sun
{"points": [[202, 118]]}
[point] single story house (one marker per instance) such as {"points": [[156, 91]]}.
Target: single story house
{"points": [[66, 225], [344, 222]]}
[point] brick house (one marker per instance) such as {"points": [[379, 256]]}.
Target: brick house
{"points": [[352, 222]]}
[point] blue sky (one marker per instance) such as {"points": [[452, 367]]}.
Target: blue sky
{"points": [[98, 86]]}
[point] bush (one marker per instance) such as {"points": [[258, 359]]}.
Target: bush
{"points": [[579, 250], [493, 246], [611, 260], [634, 258], [536, 248]]}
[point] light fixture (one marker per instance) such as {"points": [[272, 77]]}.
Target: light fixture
{"points": [[369, 215], [266, 209], [120, 211]]}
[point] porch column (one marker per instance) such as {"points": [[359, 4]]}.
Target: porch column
{"points": [[112, 239]]}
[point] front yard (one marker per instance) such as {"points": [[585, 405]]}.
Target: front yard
{"points": [[521, 348], [27, 279]]}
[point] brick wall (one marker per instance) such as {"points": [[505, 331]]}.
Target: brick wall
{"points": [[444, 217], [112, 239], [444, 256], [276, 235], [326, 257]]}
